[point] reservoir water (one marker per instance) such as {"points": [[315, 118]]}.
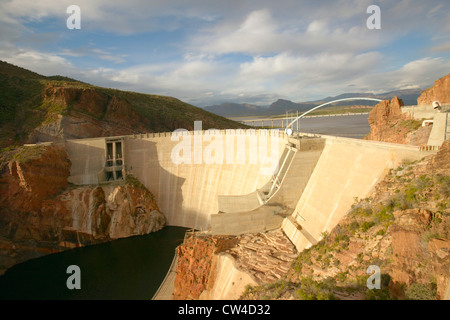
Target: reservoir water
{"points": [[350, 126], [131, 268]]}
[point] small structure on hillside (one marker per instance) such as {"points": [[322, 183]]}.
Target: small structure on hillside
{"points": [[437, 106]]}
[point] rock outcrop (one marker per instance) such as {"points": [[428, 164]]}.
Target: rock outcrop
{"points": [[415, 262], [40, 213], [83, 113], [195, 257], [439, 91], [263, 256], [440, 164], [389, 124], [31, 174]]}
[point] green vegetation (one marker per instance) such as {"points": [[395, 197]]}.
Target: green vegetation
{"points": [[314, 290], [20, 154], [419, 291], [27, 153], [135, 183], [411, 124]]}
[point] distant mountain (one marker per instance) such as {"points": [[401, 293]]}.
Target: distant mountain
{"points": [[235, 109], [282, 106]]}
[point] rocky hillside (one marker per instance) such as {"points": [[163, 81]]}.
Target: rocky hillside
{"points": [[439, 91], [34, 108], [263, 256], [41, 213], [389, 124], [403, 228]]}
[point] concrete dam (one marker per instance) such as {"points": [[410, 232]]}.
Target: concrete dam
{"points": [[232, 182]]}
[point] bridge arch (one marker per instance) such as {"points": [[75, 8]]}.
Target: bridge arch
{"points": [[327, 103]]}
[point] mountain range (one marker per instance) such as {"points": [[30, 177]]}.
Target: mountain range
{"points": [[281, 106]]}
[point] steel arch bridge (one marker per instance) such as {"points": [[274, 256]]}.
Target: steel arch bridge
{"points": [[327, 103]]}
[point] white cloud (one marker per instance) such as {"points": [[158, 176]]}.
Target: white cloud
{"points": [[294, 50], [301, 77], [43, 63], [419, 73], [93, 52], [260, 32], [442, 47]]}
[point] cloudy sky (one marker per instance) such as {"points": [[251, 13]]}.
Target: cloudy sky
{"points": [[212, 51]]}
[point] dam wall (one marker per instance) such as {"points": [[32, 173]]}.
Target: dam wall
{"points": [[229, 282], [420, 112], [315, 187], [347, 169], [187, 171], [287, 187]]}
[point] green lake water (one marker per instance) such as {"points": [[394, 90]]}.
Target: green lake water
{"points": [[131, 268]]}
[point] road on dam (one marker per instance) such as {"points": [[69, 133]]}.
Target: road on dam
{"points": [[350, 126]]}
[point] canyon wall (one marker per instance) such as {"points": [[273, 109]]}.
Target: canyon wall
{"points": [[41, 213], [221, 267], [389, 123], [439, 91]]}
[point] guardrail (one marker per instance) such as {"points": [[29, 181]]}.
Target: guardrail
{"points": [[429, 148]]}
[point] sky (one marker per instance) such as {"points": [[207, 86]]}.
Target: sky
{"points": [[207, 52]]}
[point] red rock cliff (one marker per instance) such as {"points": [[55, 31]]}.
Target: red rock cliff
{"points": [[439, 91], [389, 124], [40, 213]]}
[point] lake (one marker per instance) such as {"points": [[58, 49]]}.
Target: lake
{"points": [[350, 126], [130, 268]]}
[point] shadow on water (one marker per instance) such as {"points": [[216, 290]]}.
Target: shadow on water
{"points": [[131, 268]]}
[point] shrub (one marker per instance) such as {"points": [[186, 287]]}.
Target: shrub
{"points": [[382, 232], [342, 276], [353, 226], [410, 192], [444, 188], [418, 291], [385, 214], [366, 225], [360, 211], [313, 290]]}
